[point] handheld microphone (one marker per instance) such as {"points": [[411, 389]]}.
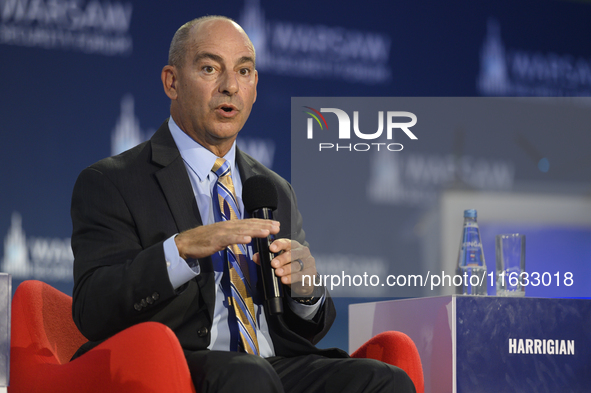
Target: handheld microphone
{"points": [[260, 199]]}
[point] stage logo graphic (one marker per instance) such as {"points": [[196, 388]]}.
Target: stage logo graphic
{"points": [[493, 79], [516, 72], [100, 27], [36, 258], [316, 51], [127, 132]]}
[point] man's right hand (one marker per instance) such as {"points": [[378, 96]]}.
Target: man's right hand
{"points": [[206, 240]]}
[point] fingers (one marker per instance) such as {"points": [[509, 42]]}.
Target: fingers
{"points": [[290, 250], [293, 263], [256, 258], [281, 245], [242, 231], [206, 240]]}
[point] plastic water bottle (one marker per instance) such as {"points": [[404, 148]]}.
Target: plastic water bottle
{"points": [[471, 263]]}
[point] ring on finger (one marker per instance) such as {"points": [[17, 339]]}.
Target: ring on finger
{"points": [[301, 264]]}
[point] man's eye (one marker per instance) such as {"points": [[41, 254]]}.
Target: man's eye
{"points": [[208, 69], [244, 71]]}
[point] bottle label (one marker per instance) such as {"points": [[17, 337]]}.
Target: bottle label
{"points": [[471, 252]]}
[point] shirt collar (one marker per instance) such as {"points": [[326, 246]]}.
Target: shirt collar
{"points": [[196, 156]]}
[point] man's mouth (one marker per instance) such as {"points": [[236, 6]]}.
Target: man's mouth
{"points": [[227, 108]]}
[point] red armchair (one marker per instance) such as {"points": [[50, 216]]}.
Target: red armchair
{"points": [[143, 358]]}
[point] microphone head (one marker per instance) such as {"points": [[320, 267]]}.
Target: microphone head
{"points": [[258, 192]]}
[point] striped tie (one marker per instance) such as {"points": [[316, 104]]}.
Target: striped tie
{"points": [[238, 259]]}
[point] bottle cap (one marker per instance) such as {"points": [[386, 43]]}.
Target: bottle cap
{"points": [[470, 213]]}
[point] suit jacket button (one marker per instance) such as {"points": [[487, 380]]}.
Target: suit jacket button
{"points": [[137, 307], [202, 332], [149, 300], [155, 296], [143, 303]]}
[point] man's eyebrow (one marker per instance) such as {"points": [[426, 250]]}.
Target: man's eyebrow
{"points": [[207, 55], [245, 59], [216, 58]]}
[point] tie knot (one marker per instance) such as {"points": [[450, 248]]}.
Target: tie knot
{"points": [[221, 167]]}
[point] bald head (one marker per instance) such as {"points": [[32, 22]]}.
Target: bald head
{"points": [[181, 39]]}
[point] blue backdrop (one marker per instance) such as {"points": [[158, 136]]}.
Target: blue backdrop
{"points": [[81, 81]]}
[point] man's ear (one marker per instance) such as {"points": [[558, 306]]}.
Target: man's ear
{"points": [[169, 81], [256, 82]]}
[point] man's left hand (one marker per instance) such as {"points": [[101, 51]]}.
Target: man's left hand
{"points": [[293, 262]]}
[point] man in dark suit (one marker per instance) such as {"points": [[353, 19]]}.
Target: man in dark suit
{"points": [[148, 248]]}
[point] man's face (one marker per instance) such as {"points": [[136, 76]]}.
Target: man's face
{"points": [[216, 85]]}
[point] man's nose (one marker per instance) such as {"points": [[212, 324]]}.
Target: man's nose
{"points": [[229, 83]]}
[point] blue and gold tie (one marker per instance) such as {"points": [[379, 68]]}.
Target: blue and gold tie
{"points": [[237, 258]]}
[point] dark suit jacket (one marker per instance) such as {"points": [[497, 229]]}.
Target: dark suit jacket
{"points": [[123, 209]]}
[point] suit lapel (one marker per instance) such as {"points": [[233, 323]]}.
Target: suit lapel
{"points": [[176, 186], [246, 166], [174, 180]]}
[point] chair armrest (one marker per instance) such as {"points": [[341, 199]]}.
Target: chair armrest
{"points": [[397, 349]]}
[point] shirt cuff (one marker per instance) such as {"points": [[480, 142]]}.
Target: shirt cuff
{"points": [[307, 312], [179, 271]]}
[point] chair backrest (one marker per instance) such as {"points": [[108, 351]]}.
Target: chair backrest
{"points": [[42, 321]]}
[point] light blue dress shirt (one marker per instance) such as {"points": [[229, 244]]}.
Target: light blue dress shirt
{"points": [[199, 161]]}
